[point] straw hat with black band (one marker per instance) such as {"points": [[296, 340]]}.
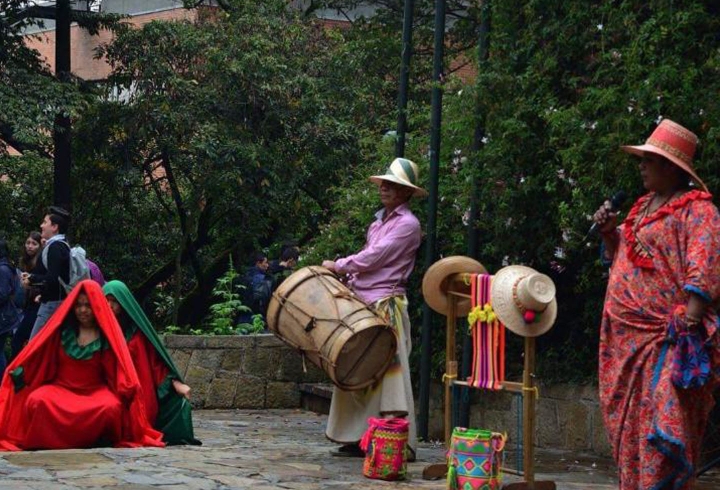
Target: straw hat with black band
{"points": [[674, 142], [404, 172], [524, 300]]}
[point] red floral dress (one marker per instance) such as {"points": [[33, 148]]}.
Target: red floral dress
{"points": [[655, 428]]}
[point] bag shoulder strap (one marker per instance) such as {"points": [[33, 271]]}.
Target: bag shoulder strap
{"points": [[46, 250]]}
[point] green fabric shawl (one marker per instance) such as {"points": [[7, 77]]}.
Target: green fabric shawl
{"points": [[174, 418]]}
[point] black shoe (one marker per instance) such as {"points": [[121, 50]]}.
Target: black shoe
{"points": [[348, 451]]}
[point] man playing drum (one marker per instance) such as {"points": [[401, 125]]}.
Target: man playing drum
{"points": [[378, 275]]}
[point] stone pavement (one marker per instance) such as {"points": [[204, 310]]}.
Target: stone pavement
{"points": [[264, 449]]}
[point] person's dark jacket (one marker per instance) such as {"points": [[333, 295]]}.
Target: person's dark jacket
{"points": [[258, 290], [8, 310], [278, 273], [33, 291], [58, 265]]}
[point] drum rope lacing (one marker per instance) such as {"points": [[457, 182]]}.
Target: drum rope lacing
{"points": [[339, 323]]}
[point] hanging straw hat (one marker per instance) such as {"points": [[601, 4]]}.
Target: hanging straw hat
{"points": [[524, 300], [404, 172], [674, 142], [435, 282]]}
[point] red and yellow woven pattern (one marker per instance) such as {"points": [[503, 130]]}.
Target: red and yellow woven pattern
{"points": [[385, 444]]}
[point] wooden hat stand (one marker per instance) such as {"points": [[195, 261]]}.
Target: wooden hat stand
{"points": [[447, 275]]}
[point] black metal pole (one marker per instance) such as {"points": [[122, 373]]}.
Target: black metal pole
{"points": [[430, 248], [61, 131], [404, 78], [473, 246]]}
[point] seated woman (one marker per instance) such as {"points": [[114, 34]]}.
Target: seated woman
{"points": [[74, 385], [165, 396]]}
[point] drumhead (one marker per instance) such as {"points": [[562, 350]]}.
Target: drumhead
{"points": [[365, 357]]}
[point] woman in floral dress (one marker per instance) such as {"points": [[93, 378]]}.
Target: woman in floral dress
{"points": [[664, 275]]}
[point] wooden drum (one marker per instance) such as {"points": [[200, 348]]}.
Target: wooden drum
{"points": [[315, 313]]}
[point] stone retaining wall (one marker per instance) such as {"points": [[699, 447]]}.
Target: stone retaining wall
{"points": [[259, 371], [567, 416], [241, 371]]}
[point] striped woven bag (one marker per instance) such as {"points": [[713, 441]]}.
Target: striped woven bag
{"points": [[475, 459], [385, 444]]}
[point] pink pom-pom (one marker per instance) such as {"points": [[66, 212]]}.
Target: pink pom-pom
{"points": [[529, 316]]}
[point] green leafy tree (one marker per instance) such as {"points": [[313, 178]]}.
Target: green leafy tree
{"points": [[564, 86], [231, 130]]}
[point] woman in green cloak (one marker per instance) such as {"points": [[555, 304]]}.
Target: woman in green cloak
{"points": [[165, 396]]}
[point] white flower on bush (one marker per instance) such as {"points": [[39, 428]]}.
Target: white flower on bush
{"points": [[466, 217], [599, 27], [658, 119], [506, 261]]}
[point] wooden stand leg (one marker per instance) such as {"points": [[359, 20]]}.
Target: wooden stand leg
{"points": [[450, 363], [529, 395], [436, 471]]}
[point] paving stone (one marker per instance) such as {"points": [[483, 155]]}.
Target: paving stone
{"points": [[93, 481], [58, 460]]}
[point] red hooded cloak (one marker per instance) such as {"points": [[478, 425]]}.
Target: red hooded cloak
{"points": [[51, 401]]}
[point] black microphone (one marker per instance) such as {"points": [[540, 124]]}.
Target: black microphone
{"points": [[617, 200]]}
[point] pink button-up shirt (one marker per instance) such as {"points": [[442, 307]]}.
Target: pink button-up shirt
{"points": [[383, 266]]}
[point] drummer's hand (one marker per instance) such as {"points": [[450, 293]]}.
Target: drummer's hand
{"points": [[329, 264]]}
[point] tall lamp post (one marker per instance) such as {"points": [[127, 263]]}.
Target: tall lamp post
{"points": [[62, 159], [404, 78], [473, 246], [431, 247]]}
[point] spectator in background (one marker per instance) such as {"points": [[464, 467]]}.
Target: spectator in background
{"points": [[95, 272], [29, 261], [257, 288], [55, 265], [283, 267], [10, 314]]}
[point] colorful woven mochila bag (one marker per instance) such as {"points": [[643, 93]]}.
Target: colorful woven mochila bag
{"points": [[385, 444], [475, 459]]}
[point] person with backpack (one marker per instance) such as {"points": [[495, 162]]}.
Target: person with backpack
{"points": [[54, 266], [10, 314]]}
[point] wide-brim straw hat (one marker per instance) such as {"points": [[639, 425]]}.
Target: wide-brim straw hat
{"points": [[404, 172], [515, 290], [674, 142], [435, 282]]}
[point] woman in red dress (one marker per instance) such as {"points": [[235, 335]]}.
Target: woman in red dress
{"points": [[74, 385], [664, 277]]}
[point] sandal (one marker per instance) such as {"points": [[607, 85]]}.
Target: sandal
{"points": [[348, 451]]}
